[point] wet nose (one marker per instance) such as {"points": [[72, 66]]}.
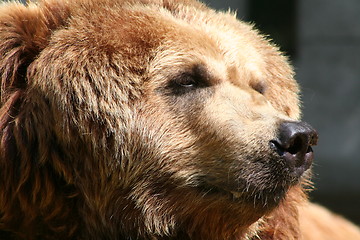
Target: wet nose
{"points": [[294, 143]]}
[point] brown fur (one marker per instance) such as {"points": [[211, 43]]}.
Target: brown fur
{"points": [[100, 139]]}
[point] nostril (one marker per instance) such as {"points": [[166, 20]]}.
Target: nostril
{"points": [[297, 145], [294, 143], [294, 147], [296, 137]]}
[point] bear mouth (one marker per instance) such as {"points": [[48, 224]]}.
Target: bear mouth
{"points": [[267, 187], [267, 198]]}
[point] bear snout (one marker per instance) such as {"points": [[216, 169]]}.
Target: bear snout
{"points": [[293, 144]]}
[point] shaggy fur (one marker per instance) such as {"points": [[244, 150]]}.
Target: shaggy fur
{"points": [[145, 119]]}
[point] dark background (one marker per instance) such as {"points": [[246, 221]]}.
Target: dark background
{"points": [[322, 38]]}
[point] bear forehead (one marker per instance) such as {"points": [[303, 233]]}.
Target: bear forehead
{"points": [[154, 41], [173, 38]]}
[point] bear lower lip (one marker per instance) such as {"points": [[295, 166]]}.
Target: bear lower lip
{"points": [[265, 197]]}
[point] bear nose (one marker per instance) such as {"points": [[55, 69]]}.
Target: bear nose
{"points": [[294, 143]]}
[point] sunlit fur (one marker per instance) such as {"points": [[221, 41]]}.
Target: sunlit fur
{"points": [[145, 119]]}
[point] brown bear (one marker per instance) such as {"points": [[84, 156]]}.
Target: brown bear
{"points": [[150, 119]]}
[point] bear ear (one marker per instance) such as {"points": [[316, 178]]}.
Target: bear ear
{"points": [[24, 32]]}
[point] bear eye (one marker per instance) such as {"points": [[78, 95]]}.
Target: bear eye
{"points": [[192, 80], [182, 84], [259, 87], [185, 81]]}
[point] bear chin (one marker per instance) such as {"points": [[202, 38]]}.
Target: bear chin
{"points": [[266, 191]]}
